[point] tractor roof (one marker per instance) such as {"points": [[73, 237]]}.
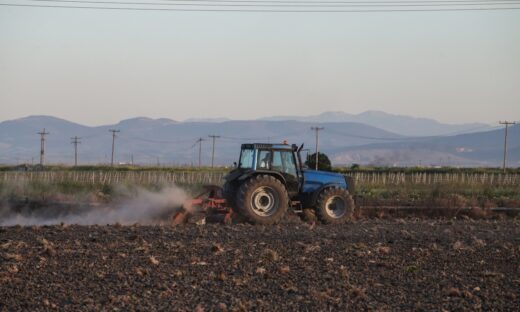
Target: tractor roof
{"points": [[267, 146]]}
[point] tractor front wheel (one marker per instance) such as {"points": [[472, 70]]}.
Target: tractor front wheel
{"points": [[262, 199], [334, 205]]}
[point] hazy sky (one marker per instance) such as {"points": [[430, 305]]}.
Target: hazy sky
{"points": [[97, 67]]}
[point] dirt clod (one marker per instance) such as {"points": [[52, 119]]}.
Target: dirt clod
{"points": [[271, 255], [153, 260], [453, 292]]}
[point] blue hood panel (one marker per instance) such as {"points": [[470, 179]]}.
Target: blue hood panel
{"points": [[316, 179]]}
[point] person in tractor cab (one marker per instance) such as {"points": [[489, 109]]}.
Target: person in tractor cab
{"points": [[264, 162]]}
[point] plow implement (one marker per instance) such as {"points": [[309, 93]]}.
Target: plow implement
{"points": [[209, 205]]}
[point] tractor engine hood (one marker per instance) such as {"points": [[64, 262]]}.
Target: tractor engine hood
{"points": [[316, 179]]}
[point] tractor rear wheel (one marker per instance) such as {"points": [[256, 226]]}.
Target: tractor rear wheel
{"points": [[262, 199], [334, 205]]}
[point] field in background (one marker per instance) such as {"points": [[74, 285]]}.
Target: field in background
{"points": [[346, 170], [429, 188]]}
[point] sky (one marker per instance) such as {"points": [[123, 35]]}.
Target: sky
{"points": [[98, 67]]}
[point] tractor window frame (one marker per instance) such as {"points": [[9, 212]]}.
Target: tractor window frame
{"points": [[261, 153], [250, 160], [284, 162]]}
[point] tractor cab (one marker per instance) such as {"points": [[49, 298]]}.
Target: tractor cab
{"points": [[281, 160]]}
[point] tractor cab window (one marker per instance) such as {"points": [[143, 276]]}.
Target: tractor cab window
{"points": [[246, 158], [264, 159], [283, 161]]}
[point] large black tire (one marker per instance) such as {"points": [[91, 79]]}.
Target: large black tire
{"points": [[334, 205], [262, 199]]}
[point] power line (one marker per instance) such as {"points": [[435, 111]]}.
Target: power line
{"points": [[42, 145], [213, 148], [507, 124], [465, 131], [94, 135], [245, 139], [446, 135], [199, 141], [333, 2], [157, 141], [75, 141], [258, 11], [114, 131], [295, 4], [372, 138], [185, 149], [262, 138], [317, 129]]}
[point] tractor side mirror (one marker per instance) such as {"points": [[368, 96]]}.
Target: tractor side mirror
{"points": [[234, 164]]}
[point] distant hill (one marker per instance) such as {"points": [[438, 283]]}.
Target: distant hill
{"points": [[207, 119], [400, 124], [165, 141], [143, 122], [473, 149], [168, 142]]}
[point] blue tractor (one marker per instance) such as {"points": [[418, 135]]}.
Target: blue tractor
{"points": [[270, 179]]}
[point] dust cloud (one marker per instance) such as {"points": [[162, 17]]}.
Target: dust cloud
{"points": [[143, 207]]}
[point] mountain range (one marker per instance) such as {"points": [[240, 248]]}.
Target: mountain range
{"points": [[400, 124], [167, 142]]}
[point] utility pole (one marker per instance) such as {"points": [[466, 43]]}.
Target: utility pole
{"points": [[200, 150], [317, 130], [506, 123], [75, 141], [42, 145], [306, 150], [114, 131], [213, 148]]}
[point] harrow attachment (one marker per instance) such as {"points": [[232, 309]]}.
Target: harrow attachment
{"points": [[208, 206]]}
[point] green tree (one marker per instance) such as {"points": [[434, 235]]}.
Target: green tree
{"points": [[355, 167], [323, 162]]}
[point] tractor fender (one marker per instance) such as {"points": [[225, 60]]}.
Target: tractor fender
{"points": [[317, 193], [250, 174]]}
